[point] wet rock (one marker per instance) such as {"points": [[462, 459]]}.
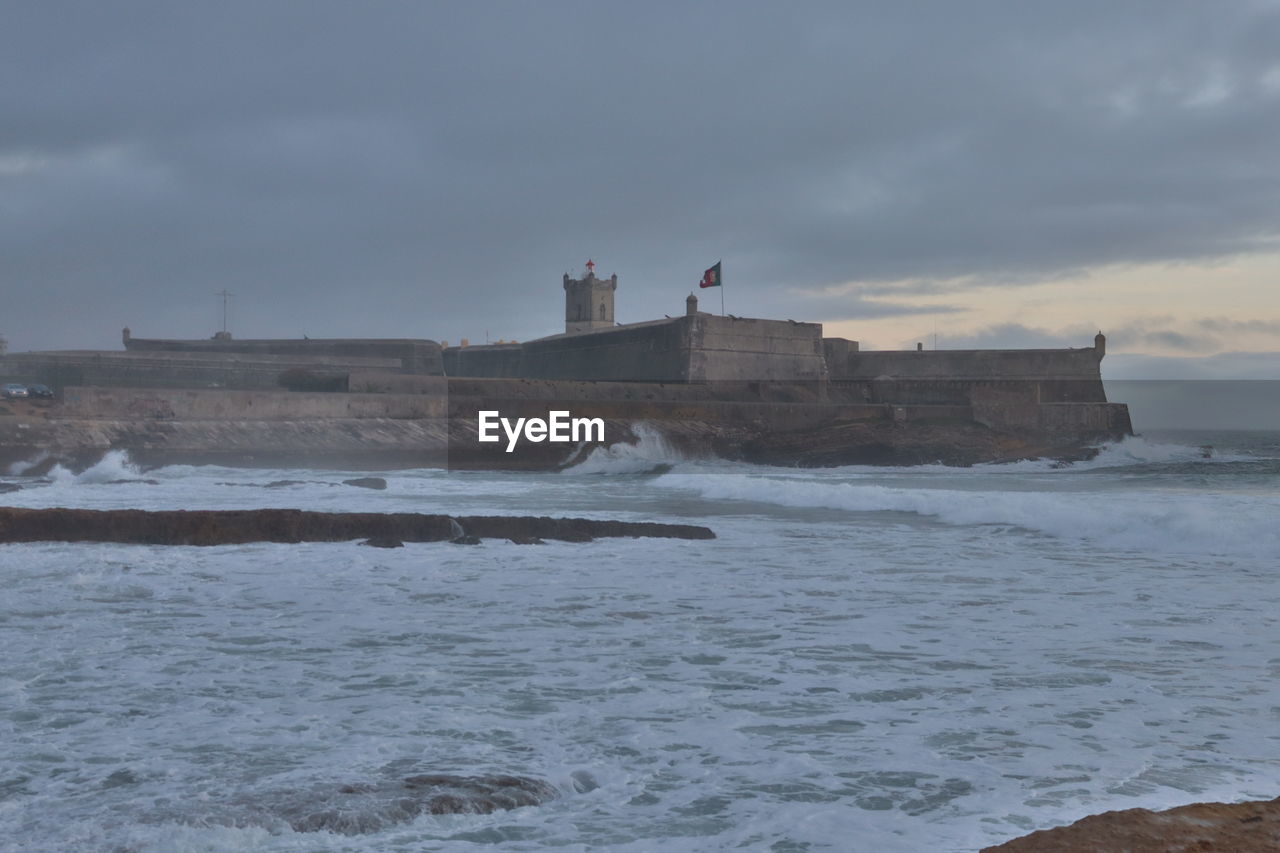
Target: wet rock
{"points": [[281, 484], [382, 542], [233, 527], [134, 481], [526, 540], [1239, 827], [368, 808], [465, 539], [367, 483]]}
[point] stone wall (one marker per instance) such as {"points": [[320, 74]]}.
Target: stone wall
{"points": [[692, 348], [149, 369], [386, 382], [493, 360], [415, 356], [1038, 364], [657, 351], [1102, 419], [180, 404], [950, 376], [737, 348]]}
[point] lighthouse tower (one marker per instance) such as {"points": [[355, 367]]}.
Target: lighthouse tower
{"points": [[588, 301]]}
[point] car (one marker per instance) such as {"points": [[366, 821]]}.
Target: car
{"points": [[39, 390], [13, 389]]}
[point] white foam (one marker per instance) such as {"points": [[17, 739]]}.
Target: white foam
{"points": [[19, 468], [114, 465], [650, 451], [1197, 523]]}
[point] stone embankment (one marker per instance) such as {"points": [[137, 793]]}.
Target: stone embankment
{"points": [[1227, 827], [226, 527]]}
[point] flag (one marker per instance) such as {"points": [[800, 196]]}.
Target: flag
{"points": [[711, 278]]}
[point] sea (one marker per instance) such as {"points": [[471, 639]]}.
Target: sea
{"points": [[864, 659]]}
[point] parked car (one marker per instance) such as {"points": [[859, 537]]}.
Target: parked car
{"points": [[13, 389], [39, 390]]}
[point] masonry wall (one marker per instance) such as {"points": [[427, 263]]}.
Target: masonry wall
{"points": [[187, 404], [738, 348], [950, 376], [654, 352], [60, 369], [492, 360], [415, 356], [698, 348]]}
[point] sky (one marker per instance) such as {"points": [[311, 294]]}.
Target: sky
{"points": [[964, 175]]}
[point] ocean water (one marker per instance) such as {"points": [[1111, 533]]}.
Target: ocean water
{"points": [[924, 659]]}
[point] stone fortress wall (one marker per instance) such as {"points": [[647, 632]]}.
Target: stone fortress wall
{"points": [[692, 348], [160, 369], [742, 355], [415, 356]]}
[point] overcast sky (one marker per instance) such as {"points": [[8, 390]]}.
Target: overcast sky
{"points": [[995, 174]]}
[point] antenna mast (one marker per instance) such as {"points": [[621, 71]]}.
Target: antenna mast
{"points": [[226, 295]]}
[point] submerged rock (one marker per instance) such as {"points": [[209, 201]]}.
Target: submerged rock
{"points": [[234, 527], [1237, 827], [366, 483], [367, 808], [382, 542], [281, 484]]}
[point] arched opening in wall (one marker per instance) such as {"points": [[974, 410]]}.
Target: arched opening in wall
{"points": [[602, 317]]}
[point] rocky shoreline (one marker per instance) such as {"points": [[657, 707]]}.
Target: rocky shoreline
{"points": [[231, 527], [1252, 827]]}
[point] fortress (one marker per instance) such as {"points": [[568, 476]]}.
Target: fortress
{"points": [[734, 375]]}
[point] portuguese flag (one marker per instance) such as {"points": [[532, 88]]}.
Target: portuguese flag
{"points": [[711, 278]]}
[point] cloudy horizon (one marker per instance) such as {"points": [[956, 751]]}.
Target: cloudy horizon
{"points": [[981, 174]]}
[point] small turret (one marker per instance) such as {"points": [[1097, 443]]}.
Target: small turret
{"points": [[1100, 344], [691, 305], [125, 335]]}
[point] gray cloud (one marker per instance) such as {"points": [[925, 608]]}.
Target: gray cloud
{"points": [[431, 169], [1227, 365]]}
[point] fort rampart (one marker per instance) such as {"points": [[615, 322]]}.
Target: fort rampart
{"points": [[694, 348], [162, 369], [415, 356], [175, 404]]}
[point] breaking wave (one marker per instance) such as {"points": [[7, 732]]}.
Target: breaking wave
{"points": [[1215, 524], [114, 465], [651, 454]]}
